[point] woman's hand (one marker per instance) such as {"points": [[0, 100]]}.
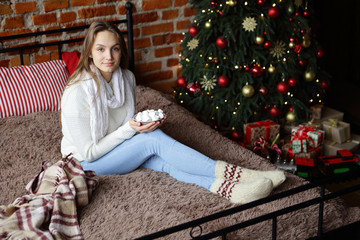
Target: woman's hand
{"points": [[137, 126]]}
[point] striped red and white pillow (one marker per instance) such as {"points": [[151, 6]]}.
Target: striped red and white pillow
{"points": [[33, 88]]}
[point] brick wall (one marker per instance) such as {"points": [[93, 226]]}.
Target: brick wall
{"points": [[158, 28]]}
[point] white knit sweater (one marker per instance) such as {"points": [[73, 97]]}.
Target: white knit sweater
{"points": [[75, 120]]}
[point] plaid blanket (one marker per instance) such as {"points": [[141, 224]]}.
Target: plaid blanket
{"points": [[49, 210]]}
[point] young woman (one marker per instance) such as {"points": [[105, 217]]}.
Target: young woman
{"points": [[97, 107]]}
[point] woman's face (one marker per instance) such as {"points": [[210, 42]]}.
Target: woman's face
{"points": [[106, 53]]}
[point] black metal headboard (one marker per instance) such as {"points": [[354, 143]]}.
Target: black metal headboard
{"points": [[128, 32]]}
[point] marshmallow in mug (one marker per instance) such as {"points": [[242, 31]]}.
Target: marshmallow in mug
{"points": [[149, 115]]}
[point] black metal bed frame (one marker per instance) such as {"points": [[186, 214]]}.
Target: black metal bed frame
{"points": [[195, 225]]}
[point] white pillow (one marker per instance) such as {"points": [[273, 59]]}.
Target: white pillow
{"points": [[32, 88]]}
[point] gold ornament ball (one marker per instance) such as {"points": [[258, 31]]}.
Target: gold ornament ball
{"points": [[259, 40], [271, 69], [291, 44], [306, 43], [208, 25], [231, 3], [309, 76], [290, 117], [248, 91]]}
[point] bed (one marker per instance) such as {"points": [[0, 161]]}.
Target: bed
{"points": [[145, 204]]}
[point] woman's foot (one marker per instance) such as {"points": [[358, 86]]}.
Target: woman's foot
{"points": [[242, 192], [235, 173]]}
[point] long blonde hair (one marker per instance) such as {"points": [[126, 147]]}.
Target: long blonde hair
{"points": [[86, 61]]}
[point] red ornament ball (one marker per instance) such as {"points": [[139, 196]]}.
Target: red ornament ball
{"points": [[303, 62], [223, 81], [275, 112], [282, 87], [213, 4], [256, 71], [267, 44], [324, 85], [221, 42], [261, 2], [193, 31], [236, 135], [181, 82], [274, 12], [320, 53], [263, 90], [247, 68], [193, 89], [306, 13], [292, 82]]}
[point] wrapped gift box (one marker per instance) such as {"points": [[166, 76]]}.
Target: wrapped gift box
{"points": [[288, 153], [336, 131], [299, 145], [328, 112], [316, 111], [316, 135], [330, 148], [342, 162], [267, 129]]}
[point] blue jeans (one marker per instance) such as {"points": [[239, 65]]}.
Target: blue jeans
{"points": [[157, 151]]}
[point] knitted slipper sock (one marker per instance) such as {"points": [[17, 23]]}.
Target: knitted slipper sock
{"points": [[228, 171], [242, 192]]}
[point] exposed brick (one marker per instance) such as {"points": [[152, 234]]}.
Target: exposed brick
{"points": [[5, 9], [25, 7], [44, 19], [96, 11], [15, 32], [106, 1], [158, 28], [164, 52], [147, 67], [122, 9], [188, 12], [183, 24], [13, 22], [179, 3], [158, 76], [145, 17], [136, 32], [167, 38], [142, 43], [41, 58], [137, 56], [54, 55], [172, 62], [156, 4], [67, 17], [170, 14], [178, 48], [75, 3], [50, 5], [4, 63], [16, 61], [75, 43], [53, 47], [74, 25], [51, 28]]}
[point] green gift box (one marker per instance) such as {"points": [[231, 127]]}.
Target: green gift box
{"points": [[336, 131], [299, 145]]}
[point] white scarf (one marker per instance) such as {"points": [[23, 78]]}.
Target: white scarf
{"points": [[121, 93]]}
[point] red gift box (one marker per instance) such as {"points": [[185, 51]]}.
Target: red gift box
{"points": [[267, 129]]}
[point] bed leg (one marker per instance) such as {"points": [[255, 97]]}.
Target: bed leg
{"points": [[321, 211], [274, 228]]}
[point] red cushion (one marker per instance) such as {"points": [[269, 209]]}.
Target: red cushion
{"points": [[71, 60], [33, 88]]}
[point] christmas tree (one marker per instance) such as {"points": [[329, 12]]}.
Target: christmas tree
{"points": [[245, 61]]}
